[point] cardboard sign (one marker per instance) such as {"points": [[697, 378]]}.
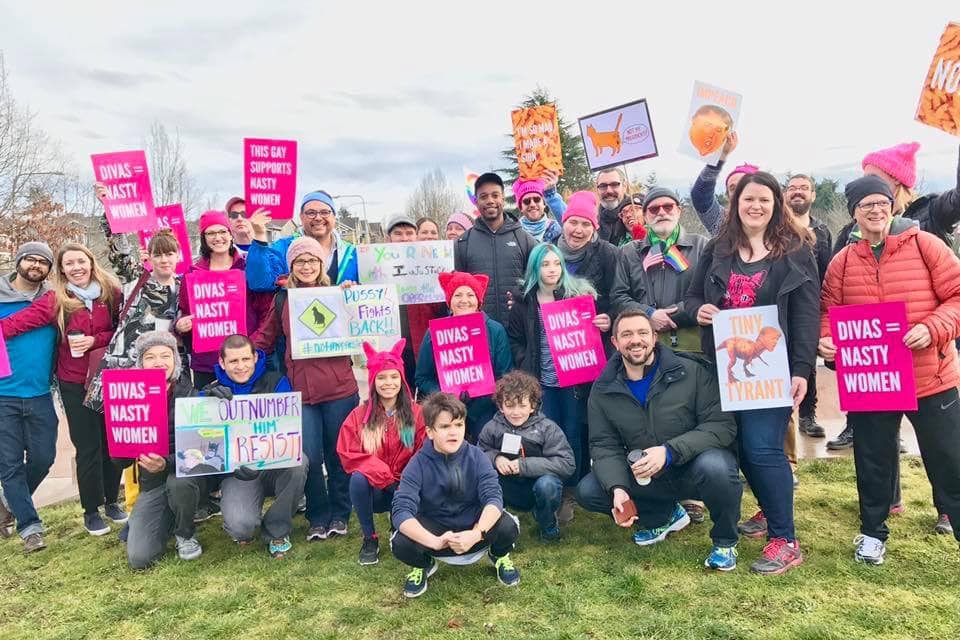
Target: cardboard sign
{"points": [[262, 431], [619, 135], [411, 266], [874, 367], [713, 115], [135, 412], [5, 370], [461, 352], [752, 364], [575, 344], [536, 138], [330, 321], [170, 217], [218, 304], [270, 176], [939, 104], [129, 202]]}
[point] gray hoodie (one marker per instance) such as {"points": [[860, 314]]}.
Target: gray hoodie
{"points": [[9, 294], [545, 448]]}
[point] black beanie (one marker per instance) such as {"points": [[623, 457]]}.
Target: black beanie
{"points": [[863, 187]]}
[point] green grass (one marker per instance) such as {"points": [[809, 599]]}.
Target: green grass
{"points": [[593, 584]]}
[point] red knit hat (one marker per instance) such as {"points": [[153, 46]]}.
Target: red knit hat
{"points": [[582, 204], [899, 162], [453, 280], [211, 218], [378, 361]]}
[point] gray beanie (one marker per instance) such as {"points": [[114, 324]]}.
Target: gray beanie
{"points": [[34, 248], [660, 192], [152, 339]]}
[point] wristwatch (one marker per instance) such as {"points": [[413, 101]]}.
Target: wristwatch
{"points": [[649, 311]]}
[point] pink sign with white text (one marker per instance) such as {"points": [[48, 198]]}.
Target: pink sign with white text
{"points": [[135, 412], [5, 369], [270, 176], [575, 343], [218, 304], [874, 367], [129, 201], [170, 217], [461, 352]]}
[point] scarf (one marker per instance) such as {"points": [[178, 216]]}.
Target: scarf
{"points": [[857, 235], [87, 295], [573, 256], [535, 229], [665, 251]]}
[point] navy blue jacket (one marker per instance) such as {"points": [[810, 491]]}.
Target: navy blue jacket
{"points": [[262, 381]]}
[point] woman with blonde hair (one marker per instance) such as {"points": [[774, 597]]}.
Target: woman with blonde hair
{"points": [[83, 305]]}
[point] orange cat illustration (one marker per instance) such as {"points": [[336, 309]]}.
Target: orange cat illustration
{"points": [[603, 139]]}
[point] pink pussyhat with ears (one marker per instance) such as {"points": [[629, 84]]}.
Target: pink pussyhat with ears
{"points": [[378, 361]]}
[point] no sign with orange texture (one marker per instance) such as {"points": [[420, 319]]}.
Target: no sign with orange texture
{"points": [[940, 98]]}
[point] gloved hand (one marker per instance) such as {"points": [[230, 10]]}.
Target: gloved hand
{"points": [[464, 397], [246, 473], [217, 390]]}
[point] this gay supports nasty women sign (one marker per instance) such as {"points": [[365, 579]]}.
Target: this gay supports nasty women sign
{"points": [[270, 176], [128, 204], [135, 412], [461, 352], [874, 367], [218, 303], [575, 343]]}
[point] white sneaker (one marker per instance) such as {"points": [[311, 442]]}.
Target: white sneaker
{"points": [[188, 548], [869, 550]]}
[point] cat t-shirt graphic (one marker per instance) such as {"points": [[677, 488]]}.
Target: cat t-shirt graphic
{"points": [[742, 289]]}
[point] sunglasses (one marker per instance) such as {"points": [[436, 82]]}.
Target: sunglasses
{"points": [[233, 215], [531, 200], [666, 208]]}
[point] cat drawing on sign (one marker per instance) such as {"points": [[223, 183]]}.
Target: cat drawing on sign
{"points": [[318, 317], [604, 139]]}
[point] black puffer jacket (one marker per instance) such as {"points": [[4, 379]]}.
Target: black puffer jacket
{"points": [[599, 266]]}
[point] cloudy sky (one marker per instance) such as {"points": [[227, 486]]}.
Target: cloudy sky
{"points": [[379, 93]]}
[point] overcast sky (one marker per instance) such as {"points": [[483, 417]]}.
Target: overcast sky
{"points": [[379, 93]]}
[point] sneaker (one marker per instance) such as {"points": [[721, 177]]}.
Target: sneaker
{"points": [[565, 512], [903, 445], [869, 550], [115, 512], [810, 427], [370, 551], [33, 542], [779, 556], [507, 574], [7, 521], [695, 510], [844, 440], [550, 534], [755, 527], [302, 505], [796, 481], [95, 525], [318, 532], [897, 509], [721, 559], [280, 546], [206, 511], [188, 548], [678, 521], [337, 528], [416, 583], [124, 533], [943, 525]]}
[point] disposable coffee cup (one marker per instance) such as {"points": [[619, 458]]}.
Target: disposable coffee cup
{"points": [[633, 457], [72, 337]]}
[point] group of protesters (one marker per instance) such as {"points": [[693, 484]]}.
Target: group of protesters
{"points": [[646, 443]]}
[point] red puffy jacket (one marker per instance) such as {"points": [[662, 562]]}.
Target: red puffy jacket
{"points": [[384, 467]]}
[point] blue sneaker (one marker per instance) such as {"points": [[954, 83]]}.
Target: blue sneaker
{"points": [[678, 521], [550, 534], [280, 546], [722, 559], [507, 574]]}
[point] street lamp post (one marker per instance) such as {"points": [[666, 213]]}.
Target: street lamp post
{"points": [[366, 221]]}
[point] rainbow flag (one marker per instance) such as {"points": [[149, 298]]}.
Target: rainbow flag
{"points": [[672, 257]]}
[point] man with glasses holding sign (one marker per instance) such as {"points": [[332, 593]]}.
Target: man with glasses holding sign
{"points": [[614, 191]]}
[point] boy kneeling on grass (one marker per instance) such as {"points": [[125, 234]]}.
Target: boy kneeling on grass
{"points": [[529, 451], [449, 504]]}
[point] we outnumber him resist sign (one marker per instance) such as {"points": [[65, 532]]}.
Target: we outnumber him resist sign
{"points": [[270, 176], [874, 367], [128, 204], [461, 352], [575, 343], [218, 304], [135, 412]]}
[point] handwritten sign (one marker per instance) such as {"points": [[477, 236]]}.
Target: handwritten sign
{"points": [[170, 217], [135, 412], [618, 135], [218, 303], [752, 364], [129, 201], [330, 321], [874, 367], [461, 352], [713, 115], [939, 104], [536, 138], [5, 370], [411, 266], [270, 176], [262, 431], [575, 343]]}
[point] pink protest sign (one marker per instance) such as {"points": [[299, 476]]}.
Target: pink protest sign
{"points": [[170, 217], [218, 303], [135, 412], [270, 176], [129, 200], [462, 355], [874, 367], [5, 369], [575, 344]]}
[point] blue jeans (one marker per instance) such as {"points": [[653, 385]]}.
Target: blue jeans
{"points": [[368, 500], [563, 407], [27, 426], [327, 499], [764, 464], [539, 495]]}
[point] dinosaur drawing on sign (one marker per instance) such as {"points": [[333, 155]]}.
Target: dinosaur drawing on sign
{"points": [[749, 350]]}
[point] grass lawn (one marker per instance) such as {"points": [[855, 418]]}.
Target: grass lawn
{"points": [[595, 583]]}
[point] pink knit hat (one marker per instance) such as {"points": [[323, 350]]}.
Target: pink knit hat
{"points": [[899, 162], [211, 218], [523, 187], [378, 361], [460, 218], [745, 169], [302, 245], [582, 204]]}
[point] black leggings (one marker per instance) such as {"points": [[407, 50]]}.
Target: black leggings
{"points": [[98, 479]]}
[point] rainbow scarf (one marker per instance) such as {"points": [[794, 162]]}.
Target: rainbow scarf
{"points": [[665, 251]]}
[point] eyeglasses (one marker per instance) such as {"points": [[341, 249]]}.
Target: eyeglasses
{"points": [[657, 208], [233, 215], [531, 200], [216, 234], [30, 260], [882, 205], [603, 186], [804, 188], [311, 214], [307, 262]]}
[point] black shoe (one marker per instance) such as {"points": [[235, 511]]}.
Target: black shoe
{"points": [[810, 427], [114, 512], [206, 511], [843, 441], [370, 551]]}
